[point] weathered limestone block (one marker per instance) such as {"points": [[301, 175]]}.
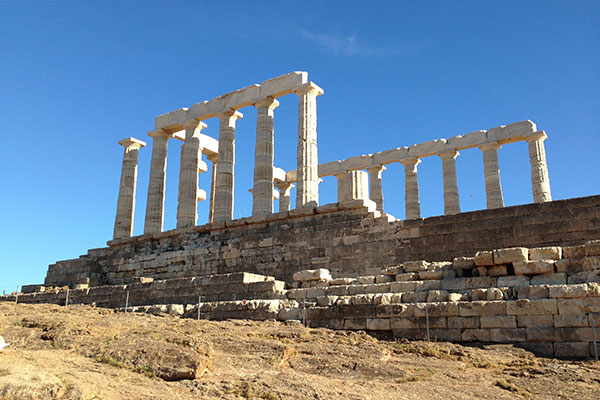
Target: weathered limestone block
{"points": [[325, 301], [513, 281], [571, 320], [383, 278], [543, 334], [312, 275], [502, 335], [463, 262], [575, 291], [482, 271], [338, 290], [378, 324], [576, 334], [437, 296], [414, 297], [510, 255], [442, 309], [545, 253], [407, 276], [571, 349], [578, 306], [497, 270], [454, 284], [475, 335], [365, 280], [409, 286], [428, 285], [406, 323], [531, 307], [498, 321], [535, 321], [355, 324], [549, 279], [583, 277], [483, 258], [534, 267], [431, 275], [493, 294], [463, 322], [455, 297], [590, 263], [592, 248], [342, 281], [478, 294], [415, 266], [483, 282], [532, 292], [482, 308], [567, 265]]}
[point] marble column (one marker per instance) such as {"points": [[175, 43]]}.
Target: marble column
{"points": [[307, 192], [353, 185], [126, 202], [262, 193], [493, 187], [213, 180], [411, 183], [223, 210], [190, 166], [375, 185], [155, 206], [285, 189], [451, 199], [540, 183]]}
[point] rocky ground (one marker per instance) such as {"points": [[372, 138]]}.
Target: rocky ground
{"points": [[81, 352]]}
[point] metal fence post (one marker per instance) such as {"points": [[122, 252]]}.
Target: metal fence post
{"points": [[427, 324], [591, 317], [67, 298], [126, 301]]}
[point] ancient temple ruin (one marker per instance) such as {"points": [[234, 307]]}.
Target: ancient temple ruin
{"points": [[524, 274]]}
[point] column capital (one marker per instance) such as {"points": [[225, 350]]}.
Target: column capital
{"points": [[490, 146], [268, 102], [411, 162], [193, 124], [283, 185], [535, 136], [309, 88], [450, 154], [231, 114], [376, 168], [132, 142]]}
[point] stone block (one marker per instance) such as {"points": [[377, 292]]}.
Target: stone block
{"points": [[463, 263], [571, 291], [590, 263], [453, 284], [531, 307], [532, 292], [479, 294], [414, 297], [510, 255], [365, 280], [546, 334], [443, 309], [577, 334], [572, 350], [341, 290], [287, 314], [463, 322], [493, 294], [475, 335], [325, 301], [579, 306], [355, 324], [437, 296], [407, 276], [446, 335], [394, 310], [406, 323], [455, 297], [534, 267], [482, 271], [315, 292], [567, 265], [415, 266], [409, 334], [574, 252], [362, 299], [483, 258], [592, 248], [483, 282], [508, 335], [431, 275], [571, 320], [427, 285], [535, 321], [545, 253], [312, 275], [384, 278], [497, 270], [549, 279], [498, 321], [378, 324], [513, 281], [481, 308]]}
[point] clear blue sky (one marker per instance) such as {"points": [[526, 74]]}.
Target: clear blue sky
{"points": [[78, 76]]}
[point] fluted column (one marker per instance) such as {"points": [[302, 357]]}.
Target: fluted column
{"points": [[285, 189], [540, 182], [411, 183], [190, 166], [307, 192], [375, 185], [493, 187], [211, 207], [353, 185], [451, 199], [225, 166], [262, 193], [126, 202], [155, 206]]}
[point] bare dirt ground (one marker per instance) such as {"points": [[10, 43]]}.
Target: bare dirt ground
{"points": [[81, 352]]}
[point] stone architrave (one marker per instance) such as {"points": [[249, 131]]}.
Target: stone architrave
{"points": [[262, 193], [126, 201], [451, 198], [493, 187], [155, 206], [223, 203], [411, 183], [190, 166], [540, 183], [307, 191], [285, 189], [213, 181], [375, 185]]}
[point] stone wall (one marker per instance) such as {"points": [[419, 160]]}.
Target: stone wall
{"points": [[349, 238]]}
